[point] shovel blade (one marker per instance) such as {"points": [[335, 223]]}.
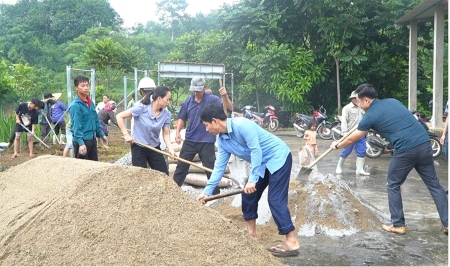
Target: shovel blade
{"points": [[303, 174]]}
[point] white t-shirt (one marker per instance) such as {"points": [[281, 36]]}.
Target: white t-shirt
{"points": [[100, 106]]}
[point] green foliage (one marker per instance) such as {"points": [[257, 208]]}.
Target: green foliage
{"points": [[297, 78], [293, 54], [110, 59], [7, 123], [6, 82]]}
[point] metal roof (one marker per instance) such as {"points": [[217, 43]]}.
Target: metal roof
{"points": [[423, 12]]}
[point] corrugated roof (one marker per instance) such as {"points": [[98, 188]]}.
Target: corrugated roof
{"points": [[423, 12]]}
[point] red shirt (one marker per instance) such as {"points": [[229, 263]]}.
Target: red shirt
{"points": [[88, 100]]}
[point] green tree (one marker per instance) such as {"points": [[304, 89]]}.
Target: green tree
{"points": [[172, 13], [6, 82], [111, 59], [25, 80]]}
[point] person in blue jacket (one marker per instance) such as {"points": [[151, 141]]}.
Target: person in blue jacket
{"points": [[85, 125], [57, 112], [270, 167]]}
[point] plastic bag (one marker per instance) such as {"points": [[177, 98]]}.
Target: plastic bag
{"points": [[306, 156]]}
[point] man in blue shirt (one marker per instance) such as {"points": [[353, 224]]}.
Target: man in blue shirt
{"points": [[197, 140], [392, 120], [270, 165]]}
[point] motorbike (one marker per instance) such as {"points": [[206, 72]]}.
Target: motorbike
{"points": [[336, 128], [268, 120], [323, 128], [377, 145]]}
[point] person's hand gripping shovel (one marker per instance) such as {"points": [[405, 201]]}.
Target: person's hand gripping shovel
{"points": [[305, 171]]}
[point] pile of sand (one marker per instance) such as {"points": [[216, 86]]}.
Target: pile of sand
{"points": [[63, 211]]}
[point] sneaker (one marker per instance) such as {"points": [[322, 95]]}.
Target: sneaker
{"points": [[446, 230], [401, 230]]}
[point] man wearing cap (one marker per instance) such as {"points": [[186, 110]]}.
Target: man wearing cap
{"points": [[45, 115], [351, 116], [197, 140]]}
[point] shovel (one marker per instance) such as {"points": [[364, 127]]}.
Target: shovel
{"points": [[35, 136], [226, 194], [305, 171], [185, 161]]}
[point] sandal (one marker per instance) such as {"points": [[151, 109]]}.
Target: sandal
{"points": [[283, 250]]}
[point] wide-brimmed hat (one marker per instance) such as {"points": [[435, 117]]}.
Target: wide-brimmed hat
{"points": [[197, 84], [353, 95], [57, 96]]}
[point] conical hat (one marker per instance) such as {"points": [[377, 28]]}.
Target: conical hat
{"points": [[56, 95]]}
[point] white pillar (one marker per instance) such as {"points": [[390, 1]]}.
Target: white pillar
{"points": [[412, 83], [438, 66]]}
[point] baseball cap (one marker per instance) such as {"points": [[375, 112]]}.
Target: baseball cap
{"points": [[197, 84], [48, 95]]}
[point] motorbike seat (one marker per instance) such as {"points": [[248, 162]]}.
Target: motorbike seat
{"points": [[261, 115], [308, 118]]}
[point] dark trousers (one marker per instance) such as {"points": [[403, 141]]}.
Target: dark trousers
{"points": [[60, 126], [421, 159], [207, 155], [45, 130], [140, 156], [277, 197], [92, 153]]}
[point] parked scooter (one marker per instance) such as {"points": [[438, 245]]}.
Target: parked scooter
{"points": [[323, 128], [377, 145], [336, 128], [269, 120]]}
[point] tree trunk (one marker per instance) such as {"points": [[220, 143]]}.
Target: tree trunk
{"points": [[256, 92], [338, 86]]}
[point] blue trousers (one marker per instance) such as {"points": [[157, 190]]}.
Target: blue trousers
{"points": [[278, 183], [421, 159], [360, 149]]}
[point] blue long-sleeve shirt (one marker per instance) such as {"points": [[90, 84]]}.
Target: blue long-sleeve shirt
{"points": [[85, 124], [250, 142], [58, 112]]}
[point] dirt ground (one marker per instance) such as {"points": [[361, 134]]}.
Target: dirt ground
{"points": [[116, 149]]}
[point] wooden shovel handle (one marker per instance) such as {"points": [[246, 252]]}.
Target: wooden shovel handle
{"points": [[226, 194], [331, 149], [183, 160]]}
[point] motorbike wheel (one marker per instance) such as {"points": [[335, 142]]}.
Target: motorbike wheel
{"points": [[372, 151], [436, 147], [273, 125], [336, 136], [325, 132], [299, 133]]}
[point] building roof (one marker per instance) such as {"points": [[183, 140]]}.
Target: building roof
{"points": [[423, 12]]}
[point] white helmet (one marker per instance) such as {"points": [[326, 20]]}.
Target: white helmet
{"points": [[146, 83]]}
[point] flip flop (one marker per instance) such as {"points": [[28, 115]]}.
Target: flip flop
{"points": [[14, 156], [283, 250]]}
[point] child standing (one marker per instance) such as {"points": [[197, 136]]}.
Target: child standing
{"points": [[311, 136]]}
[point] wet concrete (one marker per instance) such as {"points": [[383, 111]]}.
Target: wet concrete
{"points": [[424, 243]]}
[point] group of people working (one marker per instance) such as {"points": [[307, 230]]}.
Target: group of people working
{"points": [[269, 157]]}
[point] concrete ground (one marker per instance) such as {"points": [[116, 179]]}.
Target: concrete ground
{"points": [[424, 243]]}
